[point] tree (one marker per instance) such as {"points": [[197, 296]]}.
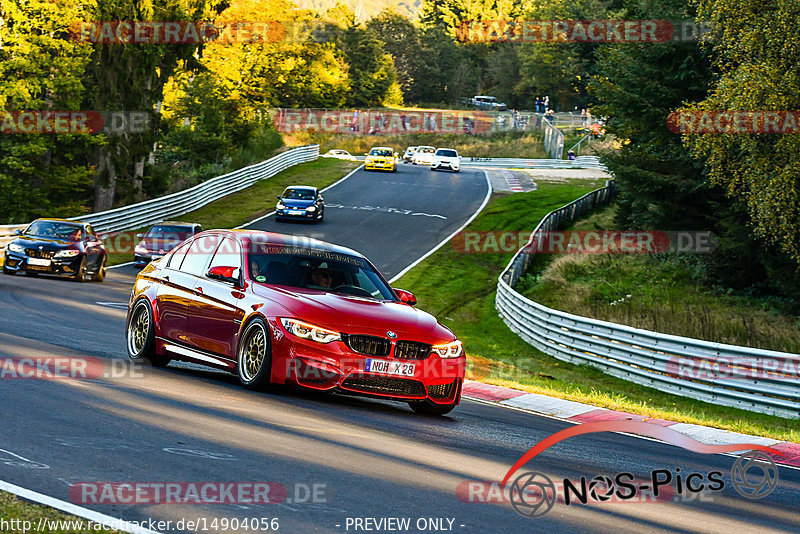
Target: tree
{"points": [[757, 52], [401, 39], [131, 77], [40, 70]]}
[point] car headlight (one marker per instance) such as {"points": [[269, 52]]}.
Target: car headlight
{"points": [[449, 350], [14, 247], [309, 331], [68, 253], [280, 205], [139, 249], [311, 208]]}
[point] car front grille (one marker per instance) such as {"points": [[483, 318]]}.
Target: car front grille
{"points": [[411, 350], [372, 345], [36, 253], [440, 391], [386, 386]]}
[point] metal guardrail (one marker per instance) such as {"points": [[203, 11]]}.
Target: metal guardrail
{"points": [[703, 370], [581, 162], [553, 140], [162, 208]]}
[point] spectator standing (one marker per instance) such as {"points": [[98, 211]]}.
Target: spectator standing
{"points": [[584, 121], [538, 105], [546, 105]]}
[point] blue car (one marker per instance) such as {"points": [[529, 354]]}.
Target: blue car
{"points": [[300, 202]]}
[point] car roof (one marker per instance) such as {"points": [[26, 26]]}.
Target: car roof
{"points": [[262, 237], [382, 148], [177, 223], [51, 219], [445, 148], [426, 146], [310, 187]]}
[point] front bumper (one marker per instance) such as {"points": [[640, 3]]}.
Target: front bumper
{"points": [[334, 366], [453, 166], [19, 262], [296, 213], [379, 165], [140, 260]]}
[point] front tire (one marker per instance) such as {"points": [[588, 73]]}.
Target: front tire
{"points": [[254, 360], [427, 407], [100, 275], [140, 336], [80, 274]]}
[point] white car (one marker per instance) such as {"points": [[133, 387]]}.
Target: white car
{"points": [[446, 158], [408, 155], [423, 155], [339, 154]]}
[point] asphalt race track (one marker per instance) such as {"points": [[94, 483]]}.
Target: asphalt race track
{"points": [[342, 460]]}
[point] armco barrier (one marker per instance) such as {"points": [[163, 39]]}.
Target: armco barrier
{"points": [[730, 375], [582, 162], [159, 209]]}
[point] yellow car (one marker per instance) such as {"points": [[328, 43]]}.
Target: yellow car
{"points": [[381, 158]]}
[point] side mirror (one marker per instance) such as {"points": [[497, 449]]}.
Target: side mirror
{"points": [[406, 296], [17, 232], [396, 154], [226, 274], [278, 197], [139, 236]]}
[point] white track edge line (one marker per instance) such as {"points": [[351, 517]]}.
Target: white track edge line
{"points": [[448, 238], [565, 420], [120, 265], [85, 513]]}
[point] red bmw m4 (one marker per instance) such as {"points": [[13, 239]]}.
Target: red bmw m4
{"points": [[277, 309]]}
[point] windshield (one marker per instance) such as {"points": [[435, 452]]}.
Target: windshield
{"points": [[447, 153], [55, 230], [380, 152], [176, 233], [317, 269], [299, 194], [426, 150]]}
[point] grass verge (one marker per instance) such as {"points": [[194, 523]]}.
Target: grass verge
{"points": [[257, 200], [460, 290], [23, 516], [657, 292]]}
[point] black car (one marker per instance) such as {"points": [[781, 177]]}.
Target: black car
{"points": [[58, 247], [300, 202], [161, 238]]}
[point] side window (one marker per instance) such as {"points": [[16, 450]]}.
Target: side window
{"points": [[177, 257], [228, 254], [198, 254]]}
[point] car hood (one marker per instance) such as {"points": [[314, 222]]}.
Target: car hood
{"points": [[48, 244], [159, 244], [296, 203], [354, 315]]}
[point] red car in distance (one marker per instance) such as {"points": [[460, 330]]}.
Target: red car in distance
{"points": [[277, 309]]}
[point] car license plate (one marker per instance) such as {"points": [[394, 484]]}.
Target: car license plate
{"points": [[295, 212], [389, 368], [39, 262]]}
